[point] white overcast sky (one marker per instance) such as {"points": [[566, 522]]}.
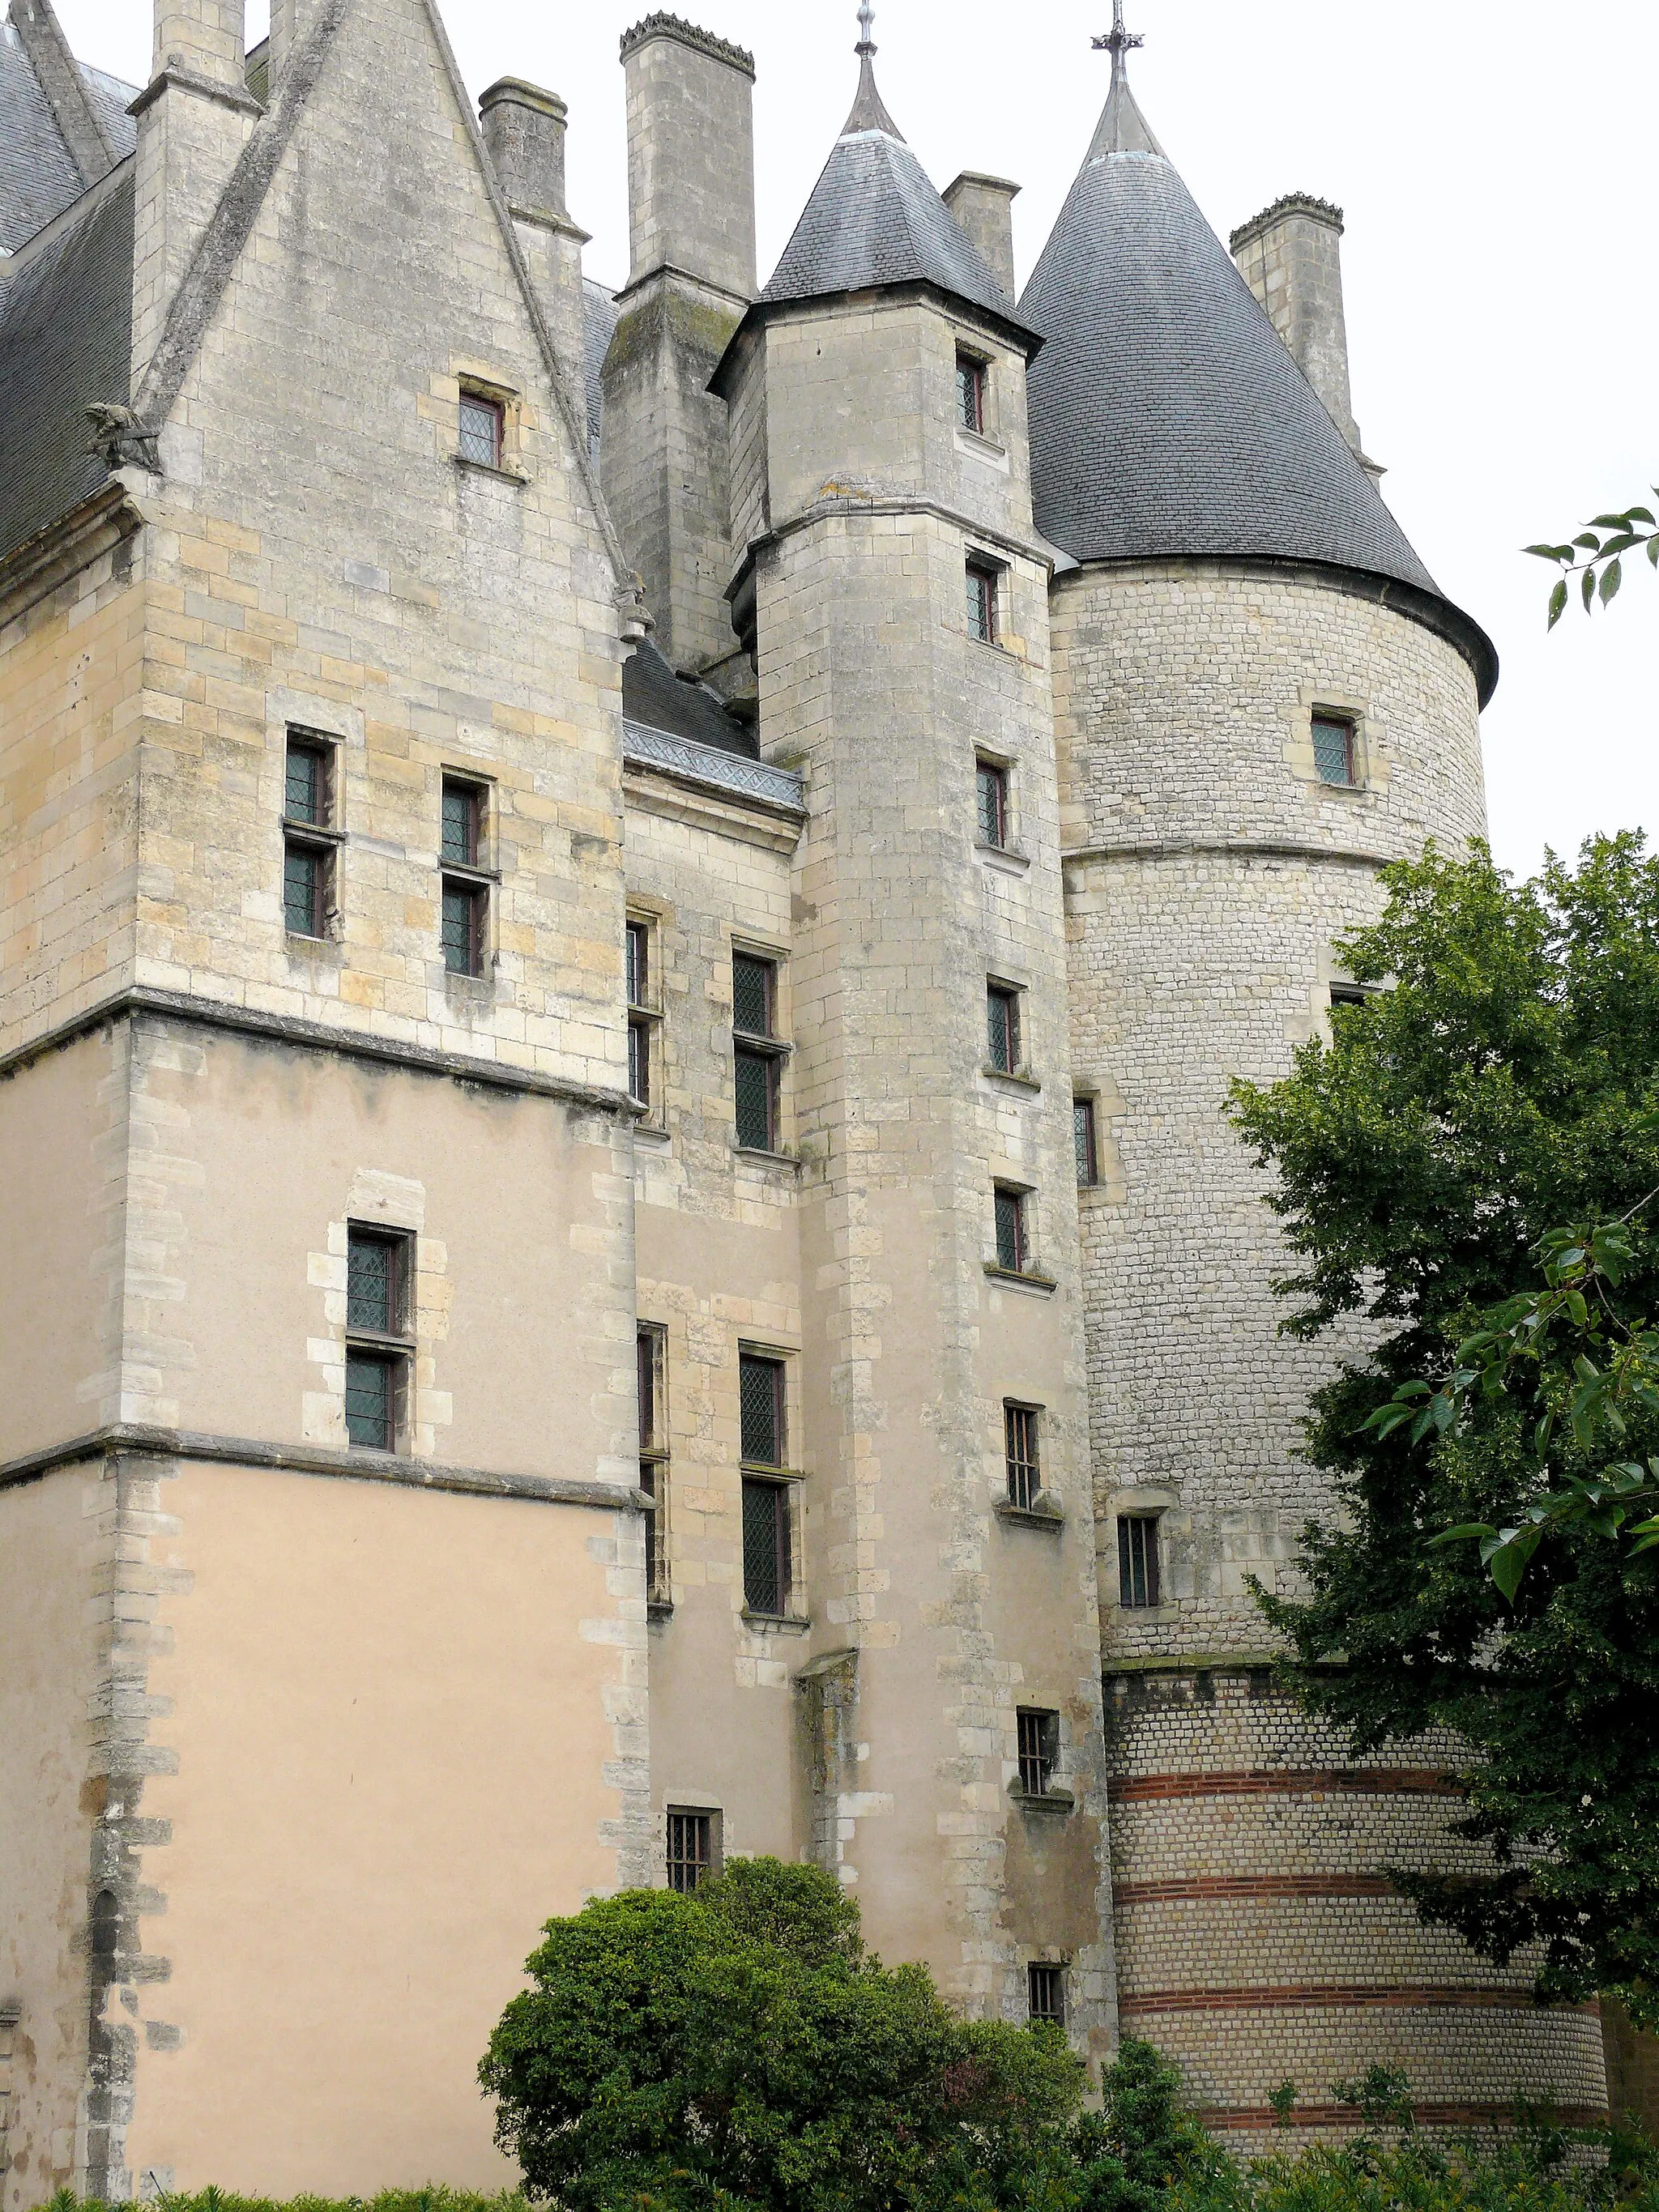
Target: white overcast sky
{"points": [[1494, 158]]}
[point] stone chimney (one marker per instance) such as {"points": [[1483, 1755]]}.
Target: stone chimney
{"points": [[524, 128], [664, 461], [1290, 257], [984, 208]]}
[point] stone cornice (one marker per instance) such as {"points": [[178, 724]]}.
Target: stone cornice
{"points": [[139, 1001], [174, 72], [1291, 203], [664, 26], [131, 1440], [1178, 848], [34, 570], [756, 782]]}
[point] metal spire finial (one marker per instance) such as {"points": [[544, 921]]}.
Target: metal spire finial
{"points": [[866, 45], [1118, 41]]}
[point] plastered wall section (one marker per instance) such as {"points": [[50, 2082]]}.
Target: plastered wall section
{"points": [[717, 1238], [321, 558], [1211, 876], [381, 1723]]}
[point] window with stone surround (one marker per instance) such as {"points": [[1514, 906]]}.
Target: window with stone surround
{"points": [[1012, 1208], [1045, 1993], [758, 1051], [971, 378], [482, 425], [984, 591], [693, 1847], [644, 1012], [1022, 1452], [310, 834], [1002, 1027], [762, 1415], [991, 780], [379, 1340], [464, 883], [1083, 1143], [1336, 747], [652, 1366], [1039, 1749], [1137, 1580]]}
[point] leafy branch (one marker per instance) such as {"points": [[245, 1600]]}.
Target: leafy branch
{"points": [[1582, 1370], [1596, 556]]}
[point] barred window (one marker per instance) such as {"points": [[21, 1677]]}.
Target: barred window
{"points": [[970, 393], [1013, 1250], [1002, 1027], [463, 822], [309, 837], [1046, 1994], [1334, 748], [693, 1848], [371, 1399], [991, 782], [481, 429], [305, 890], [1083, 1138], [1039, 1750], [1022, 1453], [379, 1343], [464, 917], [1137, 1560], [757, 1056], [982, 614], [306, 793]]}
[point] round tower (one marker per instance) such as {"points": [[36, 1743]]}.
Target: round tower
{"points": [[1261, 696]]}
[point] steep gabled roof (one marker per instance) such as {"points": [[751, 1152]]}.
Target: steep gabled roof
{"points": [[38, 174], [1167, 418]]}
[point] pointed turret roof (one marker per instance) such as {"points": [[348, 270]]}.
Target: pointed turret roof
{"points": [[1167, 418], [874, 219]]}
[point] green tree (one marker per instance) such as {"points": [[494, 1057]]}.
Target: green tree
{"points": [[737, 2048], [1503, 1079]]}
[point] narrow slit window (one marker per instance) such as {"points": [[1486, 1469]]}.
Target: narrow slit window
{"points": [[1021, 1449], [462, 823], [641, 1019], [481, 429], [1002, 1028], [1039, 1751], [654, 1458], [463, 922], [1083, 1139], [970, 394], [1137, 1561], [756, 1060], [1013, 1247], [993, 797], [983, 622], [308, 847], [1046, 1994], [693, 1844], [1335, 748]]}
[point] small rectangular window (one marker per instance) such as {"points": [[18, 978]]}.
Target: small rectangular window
{"points": [[1039, 1751], [982, 618], [306, 794], [992, 796], [1012, 1241], [970, 393], [640, 1017], [1083, 1139], [308, 849], [305, 890], [1334, 748], [1022, 1451], [380, 1280], [761, 1407], [756, 1069], [481, 429], [462, 823], [464, 919], [463, 910], [371, 1401], [652, 1365], [1002, 1027], [765, 1547], [374, 1282], [1137, 1561], [693, 1848], [754, 994], [1046, 1994]]}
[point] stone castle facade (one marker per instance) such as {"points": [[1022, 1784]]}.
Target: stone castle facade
{"points": [[624, 923]]}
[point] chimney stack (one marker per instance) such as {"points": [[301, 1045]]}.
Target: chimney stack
{"points": [[524, 128], [984, 208], [1290, 257], [664, 458]]}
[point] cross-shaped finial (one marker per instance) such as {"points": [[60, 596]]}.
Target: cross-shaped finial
{"points": [[866, 45], [1118, 41]]}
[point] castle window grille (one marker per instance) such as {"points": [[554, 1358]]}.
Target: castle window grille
{"points": [[306, 790], [1083, 1138], [463, 927], [481, 429], [305, 890], [1014, 1252], [654, 1458], [1022, 1453], [970, 394], [765, 1547], [1002, 1028], [371, 1401], [1334, 748], [982, 618], [1039, 1750], [1137, 1561], [992, 802], [691, 1848], [1045, 1989], [462, 823]]}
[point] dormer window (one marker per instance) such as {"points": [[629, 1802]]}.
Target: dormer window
{"points": [[970, 394]]}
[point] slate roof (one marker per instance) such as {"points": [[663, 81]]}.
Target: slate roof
{"points": [[874, 219], [655, 697], [599, 311], [37, 176], [65, 342]]}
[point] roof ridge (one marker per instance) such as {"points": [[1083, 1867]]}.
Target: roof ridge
{"points": [[58, 76]]}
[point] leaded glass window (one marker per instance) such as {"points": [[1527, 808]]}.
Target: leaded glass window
{"points": [[481, 429], [982, 603], [761, 1410], [463, 812], [306, 793], [970, 393], [765, 1547], [371, 1401], [1011, 1230], [462, 928], [1083, 1139], [1002, 1027], [993, 803], [305, 885], [1334, 748]]}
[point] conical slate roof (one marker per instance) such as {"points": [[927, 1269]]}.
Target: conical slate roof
{"points": [[1167, 418], [874, 219]]}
